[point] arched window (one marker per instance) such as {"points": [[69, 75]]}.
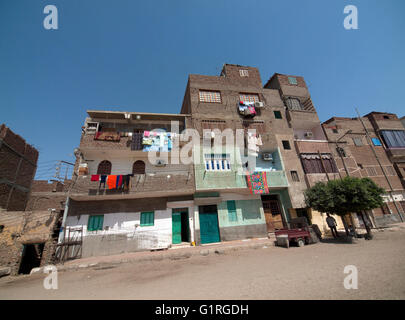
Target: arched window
{"points": [[138, 167], [104, 167]]}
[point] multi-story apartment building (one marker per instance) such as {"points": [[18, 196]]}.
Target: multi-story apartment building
{"points": [[390, 129], [310, 143], [18, 164], [255, 149], [283, 117], [359, 151], [122, 199]]}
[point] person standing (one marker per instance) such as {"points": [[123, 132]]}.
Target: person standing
{"points": [[332, 225]]}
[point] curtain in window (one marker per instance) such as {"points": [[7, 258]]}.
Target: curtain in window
{"points": [[393, 138], [312, 163]]}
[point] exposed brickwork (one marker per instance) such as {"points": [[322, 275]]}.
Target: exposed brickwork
{"points": [[26, 227], [360, 159], [17, 169]]}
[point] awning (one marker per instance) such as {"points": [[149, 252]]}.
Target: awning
{"points": [[315, 156]]}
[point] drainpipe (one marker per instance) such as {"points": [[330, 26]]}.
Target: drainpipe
{"points": [[379, 163]]}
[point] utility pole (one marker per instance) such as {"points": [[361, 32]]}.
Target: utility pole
{"points": [[340, 153], [379, 163]]}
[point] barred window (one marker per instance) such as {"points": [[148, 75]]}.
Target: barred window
{"points": [[249, 97], [217, 162], [244, 73], [293, 104], [104, 167], [210, 96], [371, 171], [213, 124], [294, 176], [390, 171]]}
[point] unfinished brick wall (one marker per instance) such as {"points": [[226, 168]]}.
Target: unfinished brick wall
{"points": [[17, 169], [26, 227]]}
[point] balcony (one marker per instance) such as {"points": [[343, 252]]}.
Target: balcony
{"points": [[396, 154], [141, 186], [277, 179]]}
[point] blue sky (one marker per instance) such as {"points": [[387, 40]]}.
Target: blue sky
{"points": [[136, 56]]}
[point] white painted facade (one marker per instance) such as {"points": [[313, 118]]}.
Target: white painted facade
{"points": [[126, 225]]}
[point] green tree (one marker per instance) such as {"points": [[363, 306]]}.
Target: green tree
{"points": [[343, 196]]}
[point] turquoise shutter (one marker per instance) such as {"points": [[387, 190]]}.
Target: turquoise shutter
{"points": [[95, 223], [232, 214], [147, 218]]}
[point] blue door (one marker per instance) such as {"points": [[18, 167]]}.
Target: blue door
{"points": [[209, 229]]}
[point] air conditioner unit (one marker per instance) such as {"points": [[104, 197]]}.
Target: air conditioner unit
{"points": [[259, 104], [267, 156], [309, 134]]}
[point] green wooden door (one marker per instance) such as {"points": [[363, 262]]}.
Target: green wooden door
{"points": [[209, 229], [176, 227]]}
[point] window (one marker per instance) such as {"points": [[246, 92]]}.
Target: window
{"points": [[232, 214], [286, 145], [244, 73], [277, 115], [138, 167], [294, 176], [292, 80], [393, 138], [358, 141], [360, 166], [385, 209], [213, 124], [390, 171], [371, 171], [95, 223], [147, 218], [386, 117], [104, 167], [249, 97], [210, 96], [217, 162], [1, 228], [335, 130], [312, 163], [376, 141], [293, 104], [258, 125]]}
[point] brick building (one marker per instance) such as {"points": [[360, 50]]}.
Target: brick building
{"points": [[29, 210], [18, 163], [289, 130], [134, 213], [359, 151]]}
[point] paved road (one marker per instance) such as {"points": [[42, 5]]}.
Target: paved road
{"points": [[312, 272]]}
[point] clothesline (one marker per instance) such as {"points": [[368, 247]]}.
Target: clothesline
{"points": [[113, 181]]}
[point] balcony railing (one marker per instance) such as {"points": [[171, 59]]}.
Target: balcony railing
{"points": [[88, 141], [276, 179], [147, 184]]}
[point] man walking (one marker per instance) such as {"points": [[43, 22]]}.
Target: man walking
{"points": [[332, 225]]}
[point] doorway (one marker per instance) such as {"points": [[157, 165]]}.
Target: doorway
{"points": [[31, 257], [180, 226], [209, 227], [272, 213], [303, 213]]}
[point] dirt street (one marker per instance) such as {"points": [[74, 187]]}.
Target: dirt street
{"points": [[312, 272]]}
